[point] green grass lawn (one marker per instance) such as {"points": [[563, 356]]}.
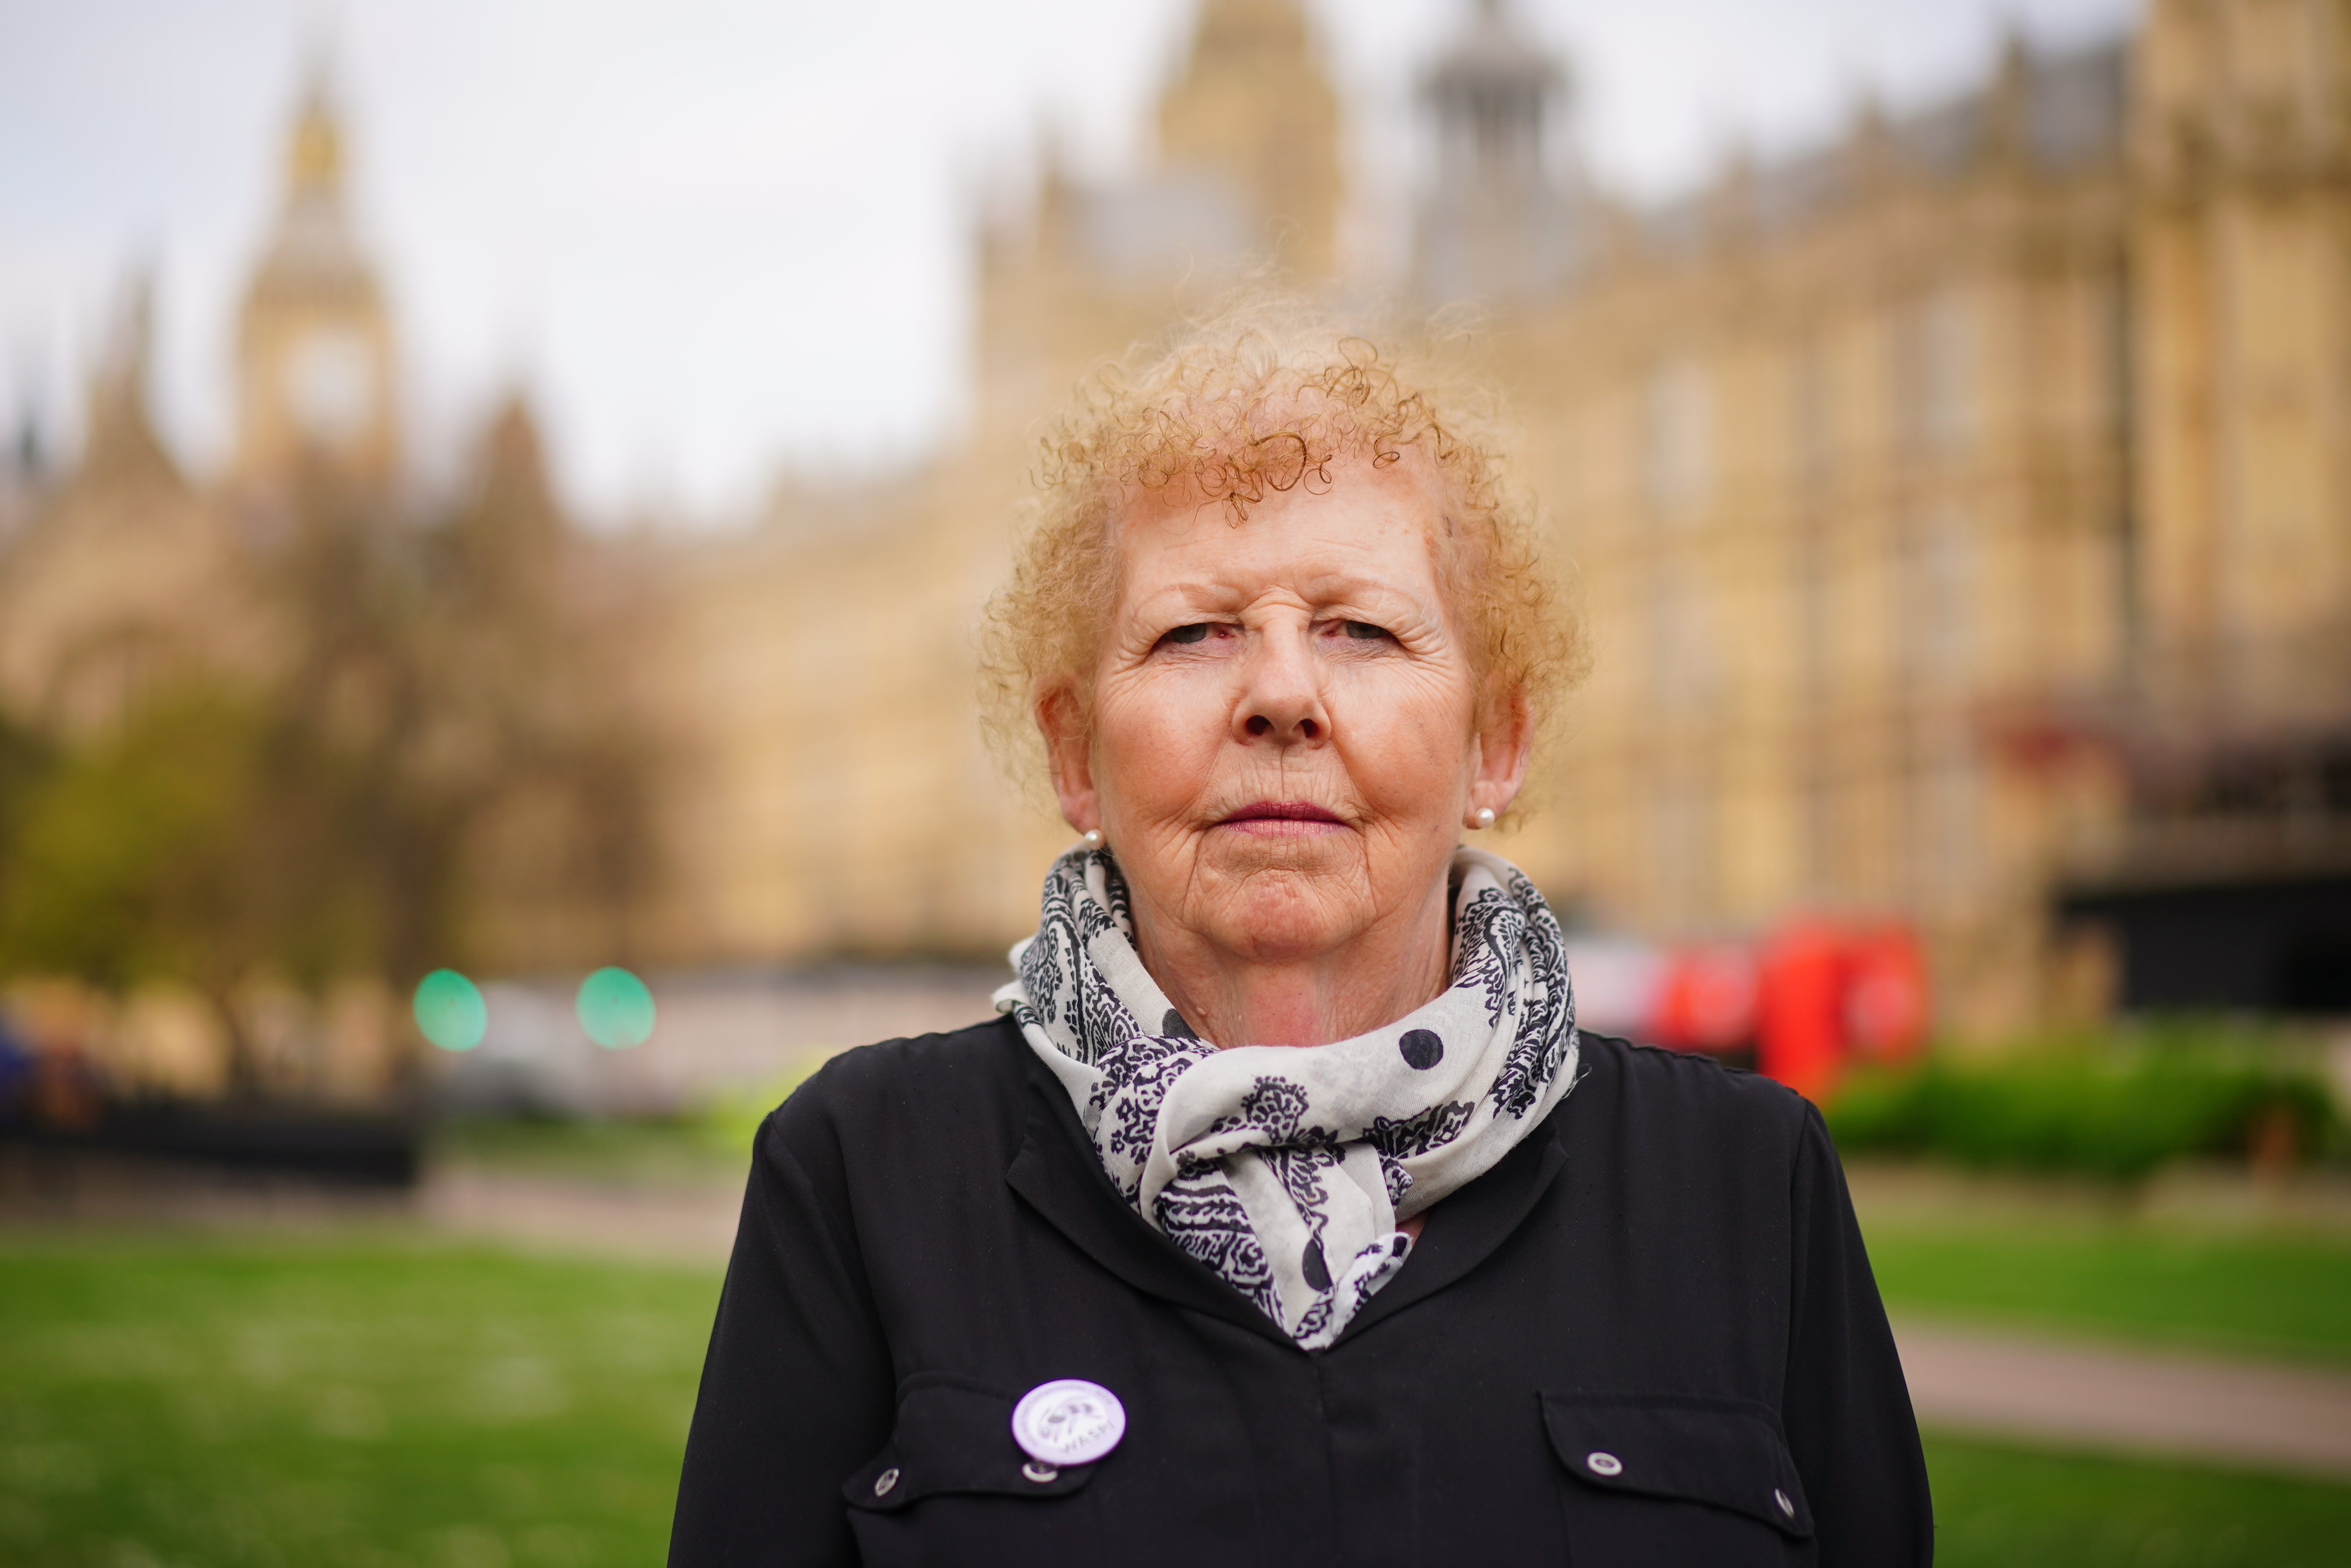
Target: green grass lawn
{"points": [[190, 1402], [2269, 1293], [2002, 1506], [186, 1403]]}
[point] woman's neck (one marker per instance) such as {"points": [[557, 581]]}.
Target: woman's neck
{"points": [[1373, 979]]}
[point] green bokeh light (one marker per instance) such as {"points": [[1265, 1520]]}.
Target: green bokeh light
{"points": [[616, 1009], [450, 1011]]}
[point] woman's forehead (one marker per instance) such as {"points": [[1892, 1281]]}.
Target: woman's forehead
{"points": [[1369, 524]]}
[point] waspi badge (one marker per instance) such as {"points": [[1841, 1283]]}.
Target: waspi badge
{"points": [[1069, 1421]]}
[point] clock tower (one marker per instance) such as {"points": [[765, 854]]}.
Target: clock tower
{"points": [[315, 373]]}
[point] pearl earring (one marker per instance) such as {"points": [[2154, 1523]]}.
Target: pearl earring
{"points": [[1485, 816], [1091, 839]]}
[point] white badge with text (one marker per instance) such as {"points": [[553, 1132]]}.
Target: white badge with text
{"points": [[1068, 1422]]}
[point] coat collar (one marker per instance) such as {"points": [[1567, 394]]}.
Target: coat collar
{"points": [[1057, 1173], [1469, 1226]]}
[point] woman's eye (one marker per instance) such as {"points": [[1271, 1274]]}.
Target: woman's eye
{"points": [[1196, 632], [1365, 631]]}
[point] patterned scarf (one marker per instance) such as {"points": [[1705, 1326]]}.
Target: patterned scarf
{"points": [[1286, 1168]]}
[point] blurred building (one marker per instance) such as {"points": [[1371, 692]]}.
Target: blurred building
{"points": [[453, 669], [122, 571], [129, 574], [2230, 878], [1841, 447], [1960, 510]]}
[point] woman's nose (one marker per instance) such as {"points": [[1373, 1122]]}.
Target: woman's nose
{"points": [[1283, 702]]}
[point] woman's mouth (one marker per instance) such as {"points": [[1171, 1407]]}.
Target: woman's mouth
{"points": [[1282, 818]]}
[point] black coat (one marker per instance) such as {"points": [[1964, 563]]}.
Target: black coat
{"points": [[1665, 1278]]}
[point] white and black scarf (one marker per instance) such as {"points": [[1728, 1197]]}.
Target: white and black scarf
{"points": [[1286, 1168]]}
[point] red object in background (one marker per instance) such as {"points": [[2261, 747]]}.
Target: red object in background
{"points": [[1828, 993], [1885, 996], [1800, 1032], [1708, 1000]]}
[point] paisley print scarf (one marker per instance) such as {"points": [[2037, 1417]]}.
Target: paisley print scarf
{"points": [[1285, 1168]]}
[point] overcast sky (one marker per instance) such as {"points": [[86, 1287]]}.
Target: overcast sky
{"points": [[712, 237]]}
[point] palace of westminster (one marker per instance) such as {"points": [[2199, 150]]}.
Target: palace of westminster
{"points": [[1961, 510]]}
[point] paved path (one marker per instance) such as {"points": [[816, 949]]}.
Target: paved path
{"points": [[681, 1225], [2005, 1383], [1994, 1383]]}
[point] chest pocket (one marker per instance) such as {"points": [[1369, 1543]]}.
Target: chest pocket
{"points": [[951, 1485], [1661, 1480]]}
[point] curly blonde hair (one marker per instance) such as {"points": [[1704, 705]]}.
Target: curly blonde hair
{"points": [[1262, 397]]}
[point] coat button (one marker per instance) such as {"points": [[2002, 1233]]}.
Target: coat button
{"points": [[1782, 1499], [1039, 1473], [1069, 1421], [884, 1481], [1600, 1463]]}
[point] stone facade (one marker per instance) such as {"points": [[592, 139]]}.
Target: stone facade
{"points": [[1911, 485], [124, 574], [1838, 448]]}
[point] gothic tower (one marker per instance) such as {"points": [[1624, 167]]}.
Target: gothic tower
{"points": [[1494, 222], [1255, 107], [314, 372], [125, 580]]}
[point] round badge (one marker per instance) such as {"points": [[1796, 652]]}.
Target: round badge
{"points": [[1068, 1422]]}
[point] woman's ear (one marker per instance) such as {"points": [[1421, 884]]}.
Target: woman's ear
{"points": [[1068, 753], [1505, 742]]}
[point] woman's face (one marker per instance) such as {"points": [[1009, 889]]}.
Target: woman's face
{"points": [[1285, 743]]}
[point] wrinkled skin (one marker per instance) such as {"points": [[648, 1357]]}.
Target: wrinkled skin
{"points": [[1284, 749]]}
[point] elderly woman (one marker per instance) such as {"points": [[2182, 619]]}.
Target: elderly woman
{"points": [[1284, 1216]]}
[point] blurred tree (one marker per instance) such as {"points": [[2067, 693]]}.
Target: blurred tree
{"points": [[532, 703], [358, 705], [26, 759], [199, 841], [439, 770]]}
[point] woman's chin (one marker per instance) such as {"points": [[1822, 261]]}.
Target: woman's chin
{"points": [[1287, 913]]}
